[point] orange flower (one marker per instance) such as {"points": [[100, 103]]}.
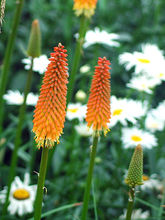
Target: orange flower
{"points": [[50, 112], [98, 107], [86, 7]]}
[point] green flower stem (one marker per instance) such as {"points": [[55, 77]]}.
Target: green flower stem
{"points": [[130, 203], [7, 58], [89, 178], [94, 201], [18, 137], [77, 56], [41, 181]]}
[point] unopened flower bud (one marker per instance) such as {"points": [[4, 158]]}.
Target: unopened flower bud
{"points": [[34, 46]]}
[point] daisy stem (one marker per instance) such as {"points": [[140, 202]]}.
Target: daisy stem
{"points": [[89, 178], [7, 57], [77, 56], [130, 203], [17, 142], [41, 181]]}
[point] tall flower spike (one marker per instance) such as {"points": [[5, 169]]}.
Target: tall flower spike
{"points": [[98, 107], [50, 112], [135, 171], [85, 7]]}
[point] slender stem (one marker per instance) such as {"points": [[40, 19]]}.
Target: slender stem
{"points": [[94, 201], [89, 178], [7, 58], [17, 142], [41, 181], [77, 56], [130, 203]]}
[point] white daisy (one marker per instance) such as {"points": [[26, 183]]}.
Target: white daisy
{"points": [[131, 137], [136, 214], [80, 95], [142, 83], [157, 71], [39, 63], [22, 196], [76, 111], [83, 130], [150, 55], [154, 120], [84, 69], [101, 37], [16, 98], [160, 111], [124, 110], [151, 182], [32, 99]]}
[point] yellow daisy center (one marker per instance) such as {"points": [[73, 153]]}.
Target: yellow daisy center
{"points": [[73, 110], [136, 138], [144, 86], [160, 75], [117, 112], [145, 177], [142, 60], [21, 194], [154, 125]]}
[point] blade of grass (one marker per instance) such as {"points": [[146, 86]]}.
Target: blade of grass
{"points": [[59, 209], [160, 212], [148, 204]]}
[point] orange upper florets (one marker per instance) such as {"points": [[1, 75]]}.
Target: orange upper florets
{"points": [[50, 111], [86, 7], [98, 107]]}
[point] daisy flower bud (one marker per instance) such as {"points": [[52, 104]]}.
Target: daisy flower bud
{"points": [[135, 171], [98, 107], [34, 46], [84, 7], [49, 114]]}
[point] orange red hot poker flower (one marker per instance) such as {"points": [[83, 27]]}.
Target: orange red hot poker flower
{"points": [[49, 114], [86, 7], [98, 107]]}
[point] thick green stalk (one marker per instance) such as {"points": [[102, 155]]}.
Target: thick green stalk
{"points": [[18, 137], [7, 58], [130, 203], [41, 181], [89, 178], [77, 56]]}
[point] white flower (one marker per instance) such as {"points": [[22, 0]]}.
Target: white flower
{"points": [[151, 182], [32, 99], [136, 214], [84, 69], [16, 98], [22, 196], [156, 71], [76, 111], [39, 63], [160, 111], [131, 137], [143, 83], [101, 37], [83, 130], [124, 110], [80, 95], [150, 55], [154, 121]]}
